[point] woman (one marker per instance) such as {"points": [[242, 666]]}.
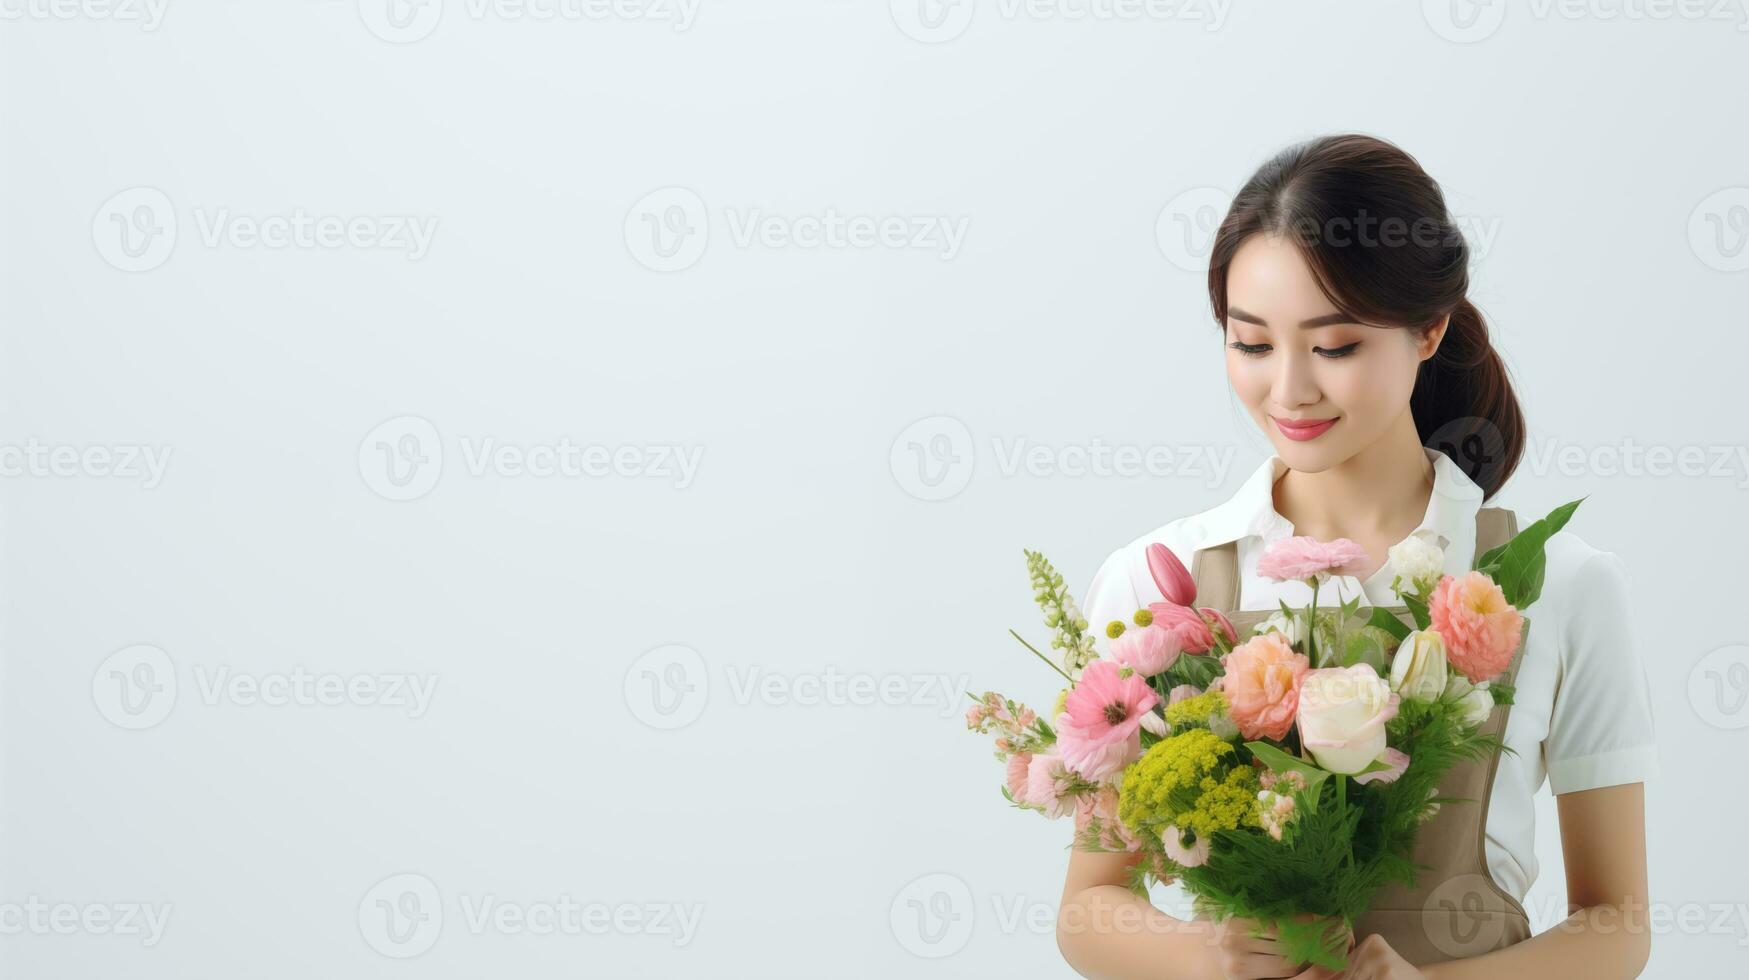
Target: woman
{"points": [[1338, 281]]}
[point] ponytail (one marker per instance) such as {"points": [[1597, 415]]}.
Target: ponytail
{"points": [[1464, 405]]}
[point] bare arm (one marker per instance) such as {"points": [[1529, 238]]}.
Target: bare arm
{"points": [[1603, 840], [1107, 932]]}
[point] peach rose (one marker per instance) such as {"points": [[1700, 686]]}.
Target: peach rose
{"points": [[1263, 685]]}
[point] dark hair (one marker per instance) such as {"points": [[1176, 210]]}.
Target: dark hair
{"points": [[1374, 228]]}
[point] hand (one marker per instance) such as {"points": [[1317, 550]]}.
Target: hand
{"points": [[1240, 955], [1372, 959]]}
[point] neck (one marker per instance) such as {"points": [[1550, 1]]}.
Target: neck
{"points": [[1383, 488]]}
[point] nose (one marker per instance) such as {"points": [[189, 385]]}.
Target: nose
{"points": [[1294, 385]]}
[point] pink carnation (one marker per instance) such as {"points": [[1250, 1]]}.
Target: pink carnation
{"points": [[1263, 685], [1016, 775], [1047, 786], [1097, 731], [1148, 650], [1101, 805], [1299, 558], [1480, 628]]}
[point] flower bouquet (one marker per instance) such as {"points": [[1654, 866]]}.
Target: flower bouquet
{"points": [[1280, 776]]}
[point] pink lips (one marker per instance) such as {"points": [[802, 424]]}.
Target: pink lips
{"points": [[1301, 430]]}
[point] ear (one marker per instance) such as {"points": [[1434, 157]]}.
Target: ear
{"points": [[1427, 344]]}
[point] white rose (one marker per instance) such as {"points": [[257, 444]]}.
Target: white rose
{"points": [[1342, 715], [1475, 700], [1419, 671], [1418, 562]]}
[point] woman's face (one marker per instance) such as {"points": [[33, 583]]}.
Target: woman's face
{"points": [[1322, 387]]}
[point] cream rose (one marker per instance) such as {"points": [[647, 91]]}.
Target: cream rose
{"points": [[1419, 563], [1419, 669], [1342, 716]]}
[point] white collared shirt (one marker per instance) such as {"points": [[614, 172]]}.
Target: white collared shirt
{"points": [[1580, 717]]}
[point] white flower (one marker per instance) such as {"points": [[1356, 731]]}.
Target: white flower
{"points": [[1418, 562], [1153, 723], [1293, 630], [1476, 701], [1287, 626], [1419, 671]]}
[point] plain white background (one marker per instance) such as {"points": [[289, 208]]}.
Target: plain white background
{"points": [[352, 350]]}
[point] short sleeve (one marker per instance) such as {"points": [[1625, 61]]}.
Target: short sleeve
{"points": [[1601, 731]]}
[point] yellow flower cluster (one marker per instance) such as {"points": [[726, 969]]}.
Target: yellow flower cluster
{"points": [[1224, 804], [1189, 780], [1173, 767], [1196, 711]]}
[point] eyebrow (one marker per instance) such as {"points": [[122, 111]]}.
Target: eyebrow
{"points": [[1317, 321]]}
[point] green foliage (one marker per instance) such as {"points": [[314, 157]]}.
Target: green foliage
{"points": [[1385, 620], [1518, 565]]}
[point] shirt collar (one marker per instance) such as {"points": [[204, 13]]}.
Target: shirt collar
{"points": [[1250, 512]]}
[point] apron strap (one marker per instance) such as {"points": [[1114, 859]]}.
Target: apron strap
{"points": [[1216, 570]]}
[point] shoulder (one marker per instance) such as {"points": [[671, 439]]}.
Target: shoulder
{"points": [[1577, 569], [1585, 594]]}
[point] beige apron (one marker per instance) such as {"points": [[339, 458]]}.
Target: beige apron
{"points": [[1456, 910]]}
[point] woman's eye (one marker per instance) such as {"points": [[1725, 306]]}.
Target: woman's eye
{"points": [[1343, 351], [1250, 350]]}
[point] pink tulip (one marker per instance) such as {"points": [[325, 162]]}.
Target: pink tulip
{"points": [[1170, 575]]}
